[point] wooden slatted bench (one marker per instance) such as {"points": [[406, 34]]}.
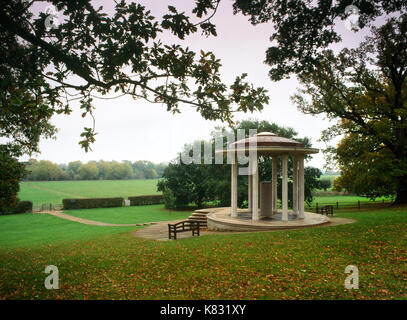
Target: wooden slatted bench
{"points": [[328, 210], [183, 226]]}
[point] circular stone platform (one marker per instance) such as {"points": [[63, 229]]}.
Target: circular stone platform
{"points": [[221, 220]]}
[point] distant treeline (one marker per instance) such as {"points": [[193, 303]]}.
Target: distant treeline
{"points": [[93, 170]]}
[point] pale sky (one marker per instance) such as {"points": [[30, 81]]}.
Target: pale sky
{"points": [[137, 130]]}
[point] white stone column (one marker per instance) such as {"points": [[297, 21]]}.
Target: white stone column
{"points": [[285, 188], [295, 185], [250, 189], [255, 186], [233, 199], [301, 187], [274, 183]]}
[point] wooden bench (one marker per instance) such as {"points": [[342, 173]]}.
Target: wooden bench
{"points": [[328, 210], [183, 226]]}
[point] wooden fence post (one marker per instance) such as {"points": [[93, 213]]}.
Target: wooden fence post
{"points": [[337, 205], [359, 204]]}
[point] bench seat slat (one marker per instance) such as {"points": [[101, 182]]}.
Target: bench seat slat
{"points": [[183, 226]]}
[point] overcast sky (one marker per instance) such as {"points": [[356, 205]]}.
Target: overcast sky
{"points": [[137, 130]]}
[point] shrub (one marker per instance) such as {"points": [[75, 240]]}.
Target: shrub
{"points": [[92, 203], [146, 200], [20, 207], [169, 198], [11, 172], [325, 184]]}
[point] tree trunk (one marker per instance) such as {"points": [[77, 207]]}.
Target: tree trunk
{"points": [[401, 197]]}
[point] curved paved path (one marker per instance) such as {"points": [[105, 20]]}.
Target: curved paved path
{"points": [[159, 231], [62, 215]]}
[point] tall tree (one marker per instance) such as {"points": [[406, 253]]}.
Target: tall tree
{"points": [[88, 171], [11, 171], [302, 27], [75, 51], [73, 169], [44, 171], [365, 90], [80, 52]]}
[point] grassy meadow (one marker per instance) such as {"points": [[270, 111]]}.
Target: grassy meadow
{"points": [[54, 191], [97, 262], [130, 215], [44, 192], [28, 230], [111, 263], [346, 199]]}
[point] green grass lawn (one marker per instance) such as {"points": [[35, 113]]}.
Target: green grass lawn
{"points": [[54, 191], [343, 199], [110, 263], [29, 230], [35, 229], [128, 215]]}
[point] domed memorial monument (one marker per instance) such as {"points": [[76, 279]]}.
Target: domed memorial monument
{"points": [[262, 212]]}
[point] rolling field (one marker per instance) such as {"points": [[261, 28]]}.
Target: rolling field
{"points": [[54, 191], [44, 192], [332, 199]]}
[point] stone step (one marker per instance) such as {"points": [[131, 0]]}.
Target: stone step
{"points": [[197, 219], [198, 215], [206, 211]]}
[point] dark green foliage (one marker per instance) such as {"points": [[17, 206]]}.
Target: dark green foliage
{"points": [[92, 203], [178, 179], [20, 207], [325, 184], [11, 171], [146, 200], [311, 180], [168, 198]]}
